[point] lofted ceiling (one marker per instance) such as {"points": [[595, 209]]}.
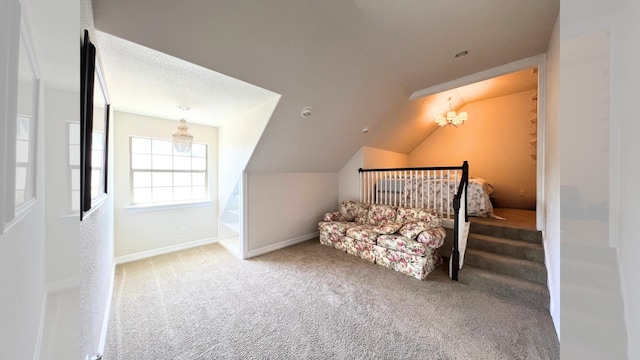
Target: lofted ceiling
{"points": [[356, 61]]}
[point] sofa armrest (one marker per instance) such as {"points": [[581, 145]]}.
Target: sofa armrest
{"points": [[433, 238], [333, 216]]}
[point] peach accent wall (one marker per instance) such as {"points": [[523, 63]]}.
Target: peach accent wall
{"points": [[495, 141]]}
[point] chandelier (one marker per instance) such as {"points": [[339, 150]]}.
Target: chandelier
{"points": [[182, 140], [451, 118]]}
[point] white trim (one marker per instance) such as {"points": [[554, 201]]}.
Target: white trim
{"points": [[480, 76], [169, 206], [63, 285], [96, 203], [165, 250], [540, 151], [43, 316], [107, 312], [244, 219], [281, 245]]}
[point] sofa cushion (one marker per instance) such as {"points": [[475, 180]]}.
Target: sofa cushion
{"points": [[388, 228], [359, 248], [366, 233], [417, 266], [381, 214], [335, 227], [333, 216], [413, 228], [403, 244], [354, 211], [430, 216], [433, 238], [333, 240]]}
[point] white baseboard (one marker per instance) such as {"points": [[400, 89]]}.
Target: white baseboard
{"points": [[43, 315], [107, 311], [164, 250], [282, 244]]}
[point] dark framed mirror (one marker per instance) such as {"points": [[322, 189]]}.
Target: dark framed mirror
{"points": [[94, 130]]}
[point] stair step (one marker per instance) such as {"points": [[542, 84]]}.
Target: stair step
{"points": [[506, 232], [514, 248], [585, 252], [593, 300], [526, 292], [506, 265]]}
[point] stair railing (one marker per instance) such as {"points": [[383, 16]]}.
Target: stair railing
{"points": [[443, 188]]}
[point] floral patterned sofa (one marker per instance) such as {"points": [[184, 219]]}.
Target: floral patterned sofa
{"points": [[403, 239]]}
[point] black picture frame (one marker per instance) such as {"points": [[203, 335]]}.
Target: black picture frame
{"points": [[94, 125]]}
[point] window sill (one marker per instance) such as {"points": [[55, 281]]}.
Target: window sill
{"points": [[167, 206]]}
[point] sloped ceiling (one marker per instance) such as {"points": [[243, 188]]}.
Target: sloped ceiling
{"points": [[356, 62]]}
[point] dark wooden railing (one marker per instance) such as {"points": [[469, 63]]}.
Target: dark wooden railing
{"points": [[419, 187]]}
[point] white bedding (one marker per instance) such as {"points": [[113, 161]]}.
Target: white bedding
{"points": [[419, 192]]}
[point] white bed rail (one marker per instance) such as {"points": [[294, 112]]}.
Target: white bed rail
{"points": [[442, 188]]}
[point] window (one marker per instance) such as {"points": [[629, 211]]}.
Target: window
{"points": [[159, 174], [73, 166]]}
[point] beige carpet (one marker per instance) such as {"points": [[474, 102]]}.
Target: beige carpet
{"points": [[310, 301]]}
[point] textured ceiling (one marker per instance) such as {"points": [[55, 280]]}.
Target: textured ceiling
{"points": [[148, 82]]}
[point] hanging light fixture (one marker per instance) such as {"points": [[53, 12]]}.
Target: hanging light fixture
{"points": [[182, 140], [451, 118]]}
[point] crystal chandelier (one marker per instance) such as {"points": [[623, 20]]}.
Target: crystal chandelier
{"points": [[182, 140], [451, 118]]}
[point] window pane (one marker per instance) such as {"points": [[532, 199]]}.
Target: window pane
{"points": [[162, 179], [95, 178], [141, 179], [140, 161], [75, 200], [140, 146], [74, 155], [22, 151], [21, 178], [182, 163], [23, 131], [199, 192], [75, 179], [199, 150], [161, 147], [199, 179], [74, 134], [182, 193], [199, 164], [142, 195], [19, 197], [96, 159], [97, 142], [162, 194], [182, 179], [161, 162]]}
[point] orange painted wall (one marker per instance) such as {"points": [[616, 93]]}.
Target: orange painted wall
{"points": [[495, 141]]}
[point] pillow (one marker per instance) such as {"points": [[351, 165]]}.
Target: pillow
{"points": [[362, 212], [413, 228], [348, 210], [381, 214], [388, 228]]}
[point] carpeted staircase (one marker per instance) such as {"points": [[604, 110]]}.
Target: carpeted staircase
{"points": [[507, 261]]}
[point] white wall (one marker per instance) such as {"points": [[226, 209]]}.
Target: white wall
{"points": [[285, 208], [495, 141], [551, 211], [366, 158], [62, 227], [22, 272], [236, 142], [146, 231], [629, 176]]}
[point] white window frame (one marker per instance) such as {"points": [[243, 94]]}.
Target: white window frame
{"points": [[165, 205]]}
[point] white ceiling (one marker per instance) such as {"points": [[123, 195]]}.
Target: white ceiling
{"points": [[355, 61], [147, 82]]}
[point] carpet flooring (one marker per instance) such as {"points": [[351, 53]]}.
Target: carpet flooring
{"points": [[309, 301]]}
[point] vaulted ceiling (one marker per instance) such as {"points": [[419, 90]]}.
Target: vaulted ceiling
{"points": [[355, 61]]}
